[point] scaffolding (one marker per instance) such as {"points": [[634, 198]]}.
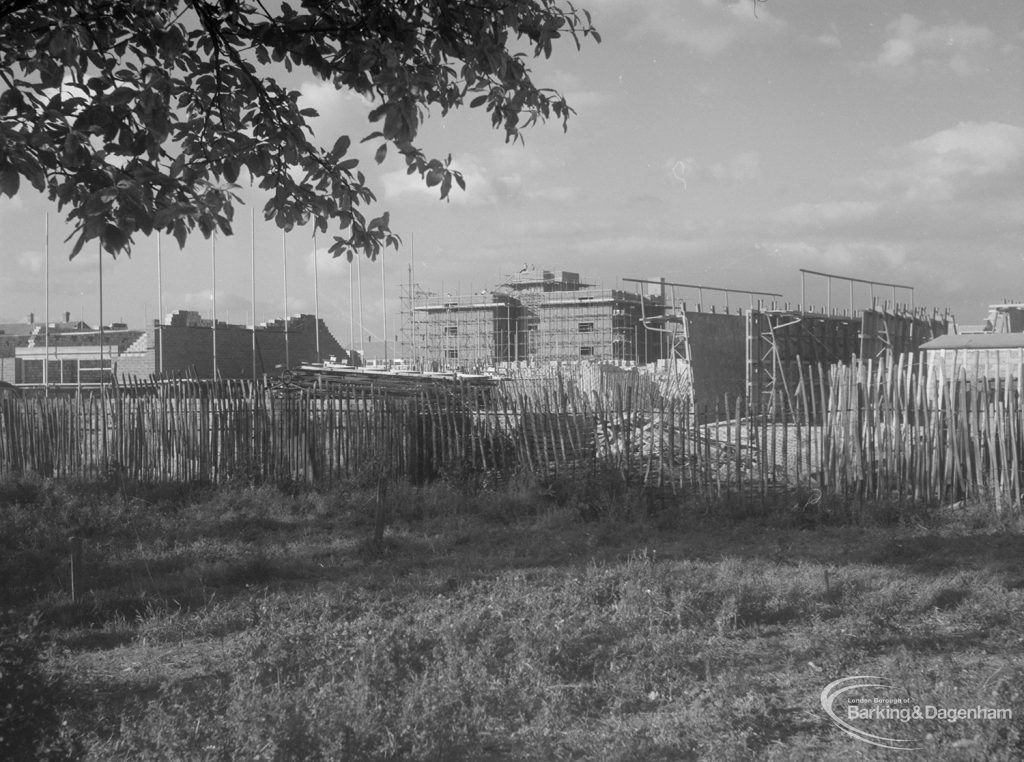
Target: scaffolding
{"points": [[531, 316], [464, 332], [588, 324]]}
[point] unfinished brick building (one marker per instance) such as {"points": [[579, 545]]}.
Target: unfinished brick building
{"points": [[534, 315]]}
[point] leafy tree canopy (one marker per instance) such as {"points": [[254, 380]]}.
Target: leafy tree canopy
{"points": [[140, 115]]}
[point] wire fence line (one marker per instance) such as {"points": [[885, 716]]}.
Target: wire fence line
{"points": [[875, 429]]}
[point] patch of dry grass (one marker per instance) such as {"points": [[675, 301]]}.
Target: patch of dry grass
{"points": [[526, 624]]}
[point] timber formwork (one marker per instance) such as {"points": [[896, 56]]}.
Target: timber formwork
{"points": [[783, 344]]}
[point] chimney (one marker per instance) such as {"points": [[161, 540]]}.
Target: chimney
{"points": [[31, 318], [67, 317]]}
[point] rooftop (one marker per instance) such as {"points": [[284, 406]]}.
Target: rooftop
{"points": [[977, 341]]}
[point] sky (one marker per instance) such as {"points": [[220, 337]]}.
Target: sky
{"points": [[714, 143]]}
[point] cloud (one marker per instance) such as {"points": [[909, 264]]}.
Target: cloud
{"points": [[742, 168], [556, 194], [332, 104], [480, 189], [708, 27], [910, 45], [829, 214], [509, 175], [841, 256], [30, 261], [340, 112], [931, 207], [576, 94], [952, 162], [828, 40]]}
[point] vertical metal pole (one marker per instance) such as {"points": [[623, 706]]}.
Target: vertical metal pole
{"points": [[351, 314], [384, 307], [160, 303], [803, 291], [412, 298], [851, 297], [316, 295], [100, 250], [104, 450], [828, 295], [359, 288], [894, 298], [252, 284], [284, 265], [213, 258], [46, 306]]}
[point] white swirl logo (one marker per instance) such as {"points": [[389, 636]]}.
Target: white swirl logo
{"points": [[835, 689]]}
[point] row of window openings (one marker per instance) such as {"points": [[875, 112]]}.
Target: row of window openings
{"points": [[453, 330]]}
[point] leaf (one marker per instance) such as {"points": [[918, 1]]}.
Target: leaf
{"points": [[9, 181], [181, 105], [341, 146], [114, 238], [10, 100], [79, 243], [121, 96], [231, 170]]}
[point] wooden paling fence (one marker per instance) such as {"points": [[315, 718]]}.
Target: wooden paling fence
{"points": [[872, 429]]}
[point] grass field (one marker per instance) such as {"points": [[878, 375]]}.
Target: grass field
{"points": [[528, 624]]}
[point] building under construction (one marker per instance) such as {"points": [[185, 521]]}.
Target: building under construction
{"points": [[764, 351], [759, 351], [534, 315]]}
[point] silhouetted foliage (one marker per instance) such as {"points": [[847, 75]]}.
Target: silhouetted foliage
{"points": [[142, 115]]}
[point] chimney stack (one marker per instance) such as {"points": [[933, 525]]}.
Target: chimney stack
{"points": [[67, 317], [31, 318]]}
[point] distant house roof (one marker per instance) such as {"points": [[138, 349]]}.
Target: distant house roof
{"points": [[18, 329], [977, 341]]}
